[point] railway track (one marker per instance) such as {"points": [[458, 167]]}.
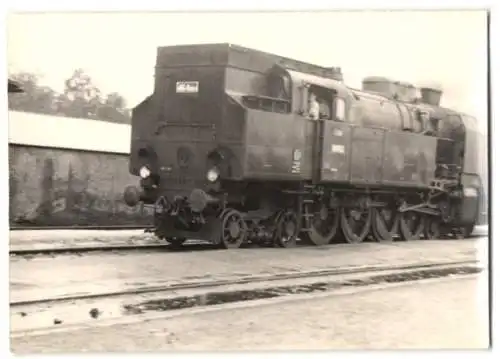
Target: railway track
{"points": [[43, 316], [211, 284], [85, 249], [83, 228], [191, 245]]}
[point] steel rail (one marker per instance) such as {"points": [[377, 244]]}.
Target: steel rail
{"points": [[236, 281], [82, 228], [108, 248], [78, 249]]}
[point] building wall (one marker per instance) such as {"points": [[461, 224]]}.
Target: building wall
{"points": [[65, 172], [68, 187]]}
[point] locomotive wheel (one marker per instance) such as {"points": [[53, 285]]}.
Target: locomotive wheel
{"points": [[412, 225], [432, 230], [355, 223], [234, 229], [385, 224], [324, 226], [287, 229]]}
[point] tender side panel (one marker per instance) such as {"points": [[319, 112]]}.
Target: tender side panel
{"points": [[409, 159], [276, 146], [366, 155], [336, 147]]}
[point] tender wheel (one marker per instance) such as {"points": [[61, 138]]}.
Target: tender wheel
{"points": [[234, 229], [287, 230], [355, 223], [324, 226], [412, 225], [385, 224], [432, 229]]}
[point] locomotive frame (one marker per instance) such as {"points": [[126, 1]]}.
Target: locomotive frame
{"points": [[226, 154]]}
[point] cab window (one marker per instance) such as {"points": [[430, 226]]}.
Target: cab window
{"points": [[339, 109], [321, 99]]}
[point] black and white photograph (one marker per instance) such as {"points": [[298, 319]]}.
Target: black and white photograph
{"points": [[248, 181]]}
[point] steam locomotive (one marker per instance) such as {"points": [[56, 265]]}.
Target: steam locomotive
{"points": [[226, 152]]}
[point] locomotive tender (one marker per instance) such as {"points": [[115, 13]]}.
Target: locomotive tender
{"points": [[227, 153]]}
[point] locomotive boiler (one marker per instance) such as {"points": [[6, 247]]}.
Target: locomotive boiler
{"points": [[227, 152]]}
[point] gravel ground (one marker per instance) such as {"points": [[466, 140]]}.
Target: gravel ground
{"points": [[438, 315], [63, 275]]}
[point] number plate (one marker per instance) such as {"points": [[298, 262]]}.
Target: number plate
{"points": [[187, 86]]}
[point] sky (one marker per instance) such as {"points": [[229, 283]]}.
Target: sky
{"points": [[118, 50]]}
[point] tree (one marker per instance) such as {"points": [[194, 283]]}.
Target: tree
{"points": [[115, 109], [80, 98], [35, 98], [84, 99]]}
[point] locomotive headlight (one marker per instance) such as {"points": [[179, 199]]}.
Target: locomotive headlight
{"points": [[213, 174], [144, 172]]}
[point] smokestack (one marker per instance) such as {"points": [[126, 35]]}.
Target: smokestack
{"points": [[431, 96]]}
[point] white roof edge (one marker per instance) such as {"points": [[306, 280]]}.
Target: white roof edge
{"points": [[31, 129]]}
